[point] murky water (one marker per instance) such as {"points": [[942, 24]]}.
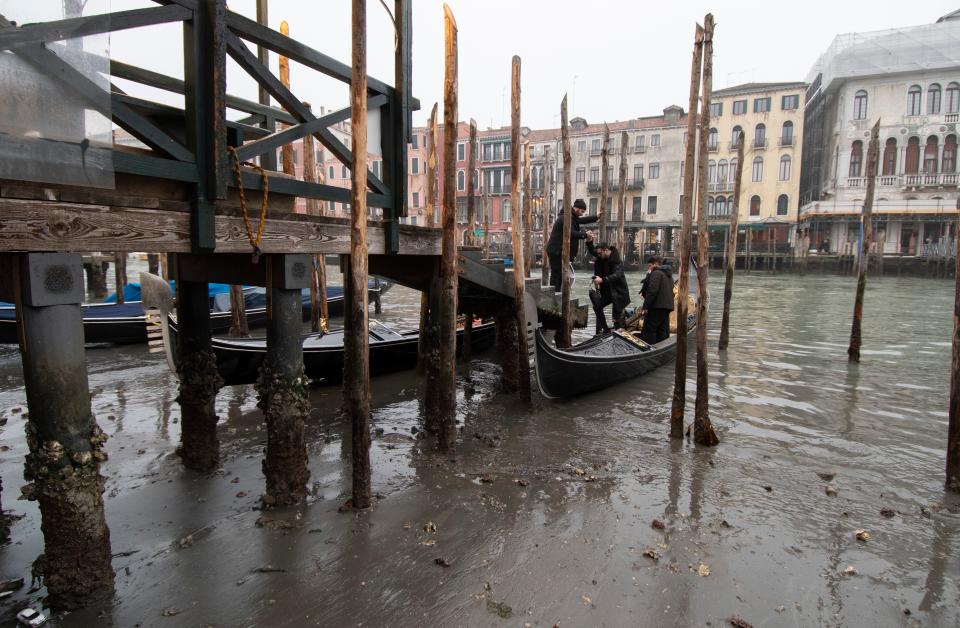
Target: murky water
{"points": [[544, 514]]}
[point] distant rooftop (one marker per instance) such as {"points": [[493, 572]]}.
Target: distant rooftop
{"points": [[751, 88]]}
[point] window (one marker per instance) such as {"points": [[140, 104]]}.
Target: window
{"points": [[856, 159], [933, 98], [333, 173], [757, 169], [710, 206], [860, 105], [733, 169], [461, 180], [760, 135], [716, 109], [582, 146], [637, 206], [722, 171], [651, 205], [950, 154], [783, 205], [638, 173], [739, 107], [790, 102], [930, 154], [415, 166], [786, 134], [594, 175], [641, 141], [785, 164], [654, 172], [735, 136], [761, 105], [416, 197], [487, 152], [912, 158], [953, 98], [712, 139], [461, 151], [712, 172], [505, 210], [890, 157], [413, 140], [596, 145], [344, 174], [581, 175], [593, 205], [655, 139], [914, 95], [754, 205], [497, 152]]}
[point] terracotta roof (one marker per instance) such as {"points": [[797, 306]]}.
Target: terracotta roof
{"points": [[750, 88]]}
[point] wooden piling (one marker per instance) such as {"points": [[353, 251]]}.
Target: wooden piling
{"points": [[519, 232], [731, 259], [486, 228], [563, 339], [239, 328], [153, 263], [447, 316], [96, 271], [319, 309], [622, 216], [604, 182], [65, 443], [471, 189], [545, 215], [953, 427], [683, 253], [527, 217], [286, 152], [853, 352], [422, 347], [748, 236], [703, 433], [120, 274]]}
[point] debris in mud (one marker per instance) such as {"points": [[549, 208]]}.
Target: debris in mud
{"points": [[739, 622], [275, 524], [780, 609], [428, 543], [725, 524], [407, 525], [652, 554], [314, 531], [888, 512], [117, 555], [268, 569], [443, 562], [768, 488], [500, 609], [487, 478], [578, 471], [831, 490], [862, 535], [522, 482], [186, 542], [235, 481], [924, 512], [826, 476], [586, 600], [429, 527], [490, 440], [170, 612], [656, 524], [241, 494], [850, 570], [703, 571]]}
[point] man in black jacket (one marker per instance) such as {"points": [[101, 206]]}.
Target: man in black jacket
{"points": [[657, 301], [609, 284], [555, 243]]}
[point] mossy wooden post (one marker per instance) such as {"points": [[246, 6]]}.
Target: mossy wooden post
{"points": [[563, 339], [730, 259], [953, 428], [527, 216], [423, 349], [447, 315], [683, 250], [471, 188], [703, 433], [622, 216], [319, 310], [519, 233], [545, 215], [356, 365], [853, 352], [120, 274], [604, 183]]}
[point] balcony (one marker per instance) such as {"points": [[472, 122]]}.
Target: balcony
{"points": [[786, 141], [596, 152], [497, 189], [856, 182], [635, 184], [720, 186], [760, 143], [930, 180], [594, 186], [951, 117], [640, 149]]}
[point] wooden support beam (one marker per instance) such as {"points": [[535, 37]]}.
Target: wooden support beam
{"points": [[604, 183], [425, 298], [319, 309], [519, 248], [356, 340], [563, 338], [622, 216], [287, 150], [683, 250], [120, 273], [546, 212], [703, 432], [263, 20], [866, 218], [730, 255]]}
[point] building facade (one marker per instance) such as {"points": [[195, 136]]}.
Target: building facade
{"points": [[909, 80]]}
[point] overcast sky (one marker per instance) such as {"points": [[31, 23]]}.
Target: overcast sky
{"points": [[616, 59]]}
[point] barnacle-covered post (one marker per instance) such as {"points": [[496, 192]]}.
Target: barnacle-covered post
{"points": [[65, 443]]}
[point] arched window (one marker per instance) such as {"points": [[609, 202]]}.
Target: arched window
{"points": [[757, 169], [912, 158], [754, 205], [856, 159], [760, 135], [722, 171], [890, 157], [733, 170], [710, 206], [930, 154], [786, 134], [914, 95], [785, 167], [933, 98], [860, 105], [783, 204], [949, 162], [735, 136], [953, 98], [712, 139], [505, 211], [461, 180], [723, 206], [712, 172]]}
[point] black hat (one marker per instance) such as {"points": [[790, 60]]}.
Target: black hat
{"points": [[579, 204]]}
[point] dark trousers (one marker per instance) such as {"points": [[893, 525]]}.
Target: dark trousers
{"points": [[656, 326], [556, 271], [600, 301]]}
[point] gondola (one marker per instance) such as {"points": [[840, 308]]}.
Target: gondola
{"points": [[125, 323], [606, 360], [239, 360]]}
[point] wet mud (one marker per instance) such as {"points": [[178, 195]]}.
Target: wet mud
{"points": [[574, 513]]}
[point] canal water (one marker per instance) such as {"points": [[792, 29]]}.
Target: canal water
{"points": [[551, 514]]}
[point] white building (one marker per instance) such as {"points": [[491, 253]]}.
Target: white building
{"points": [[909, 79]]}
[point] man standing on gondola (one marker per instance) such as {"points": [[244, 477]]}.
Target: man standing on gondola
{"points": [[609, 284], [555, 243], [657, 301]]}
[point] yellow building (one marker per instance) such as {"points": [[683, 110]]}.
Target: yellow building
{"points": [[771, 118]]}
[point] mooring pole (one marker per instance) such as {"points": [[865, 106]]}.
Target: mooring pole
{"points": [[153, 263], [447, 316], [703, 433], [853, 352], [239, 328], [621, 218], [683, 253], [953, 428], [527, 225], [730, 259], [319, 311], [282, 385], [604, 183], [471, 188], [120, 274], [422, 346], [486, 229], [563, 338], [547, 223], [65, 443], [519, 234]]}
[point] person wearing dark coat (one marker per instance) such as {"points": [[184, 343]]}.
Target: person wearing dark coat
{"points": [[609, 285], [555, 243], [657, 301]]}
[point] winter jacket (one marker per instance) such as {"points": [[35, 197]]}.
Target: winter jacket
{"points": [[610, 270], [555, 243], [658, 289]]}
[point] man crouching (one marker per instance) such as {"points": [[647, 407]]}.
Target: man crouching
{"points": [[609, 284]]}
